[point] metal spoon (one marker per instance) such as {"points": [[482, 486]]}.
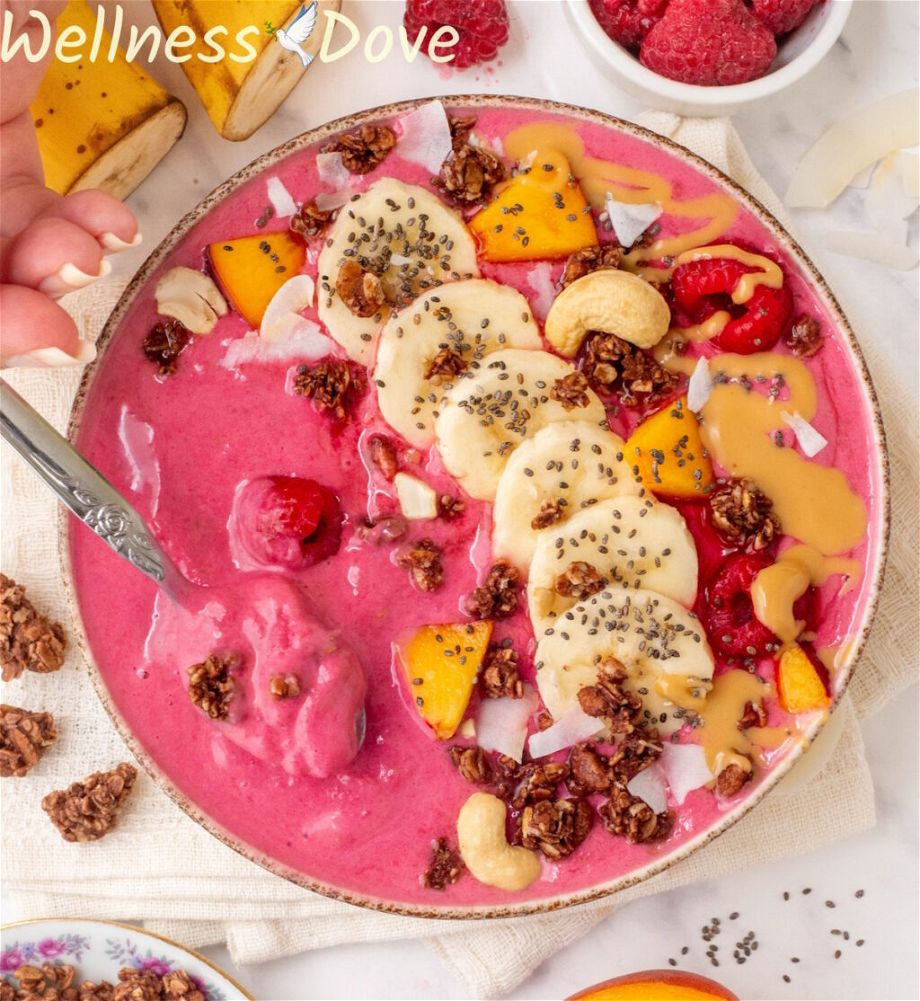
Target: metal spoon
{"points": [[86, 493]]}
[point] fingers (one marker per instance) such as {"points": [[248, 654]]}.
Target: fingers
{"points": [[108, 220], [37, 332], [55, 256]]}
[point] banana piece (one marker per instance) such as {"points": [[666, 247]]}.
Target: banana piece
{"points": [[446, 332], [631, 541], [569, 465], [430, 244], [662, 646], [508, 399]]}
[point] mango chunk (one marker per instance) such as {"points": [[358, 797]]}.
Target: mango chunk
{"points": [[540, 213], [801, 688], [251, 269], [667, 451], [440, 664]]}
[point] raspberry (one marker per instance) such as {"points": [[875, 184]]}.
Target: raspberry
{"points": [[708, 42], [481, 24], [733, 628], [781, 16], [700, 287], [627, 21]]}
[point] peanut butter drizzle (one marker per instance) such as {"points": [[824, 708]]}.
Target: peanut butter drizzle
{"points": [[834, 656], [768, 273], [777, 587], [716, 211], [718, 731], [687, 693]]}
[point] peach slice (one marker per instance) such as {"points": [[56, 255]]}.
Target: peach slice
{"points": [[251, 269], [668, 452], [440, 664], [540, 213], [657, 985], [801, 688]]}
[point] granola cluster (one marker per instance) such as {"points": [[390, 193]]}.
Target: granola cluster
{"points": [[583, 262], [383, 455], [332, 384], [497, 597], [423, 561], [28, 640], [610, 701], [579, 581], [732, 778], [211, 685], [804, 336], [632, 818], [284, 686], [613, 365], [446, 365], [24, 737], [445, 868], [88, 810], [499, 676], [164, 343], [59, 982], [556, 827], [743, 514], [365, 148], [309, 220], [469, 174], [571, 391], [551, 511], [360, 289]]}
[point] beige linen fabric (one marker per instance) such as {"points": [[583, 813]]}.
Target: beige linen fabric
{"points": [[162, 868]]}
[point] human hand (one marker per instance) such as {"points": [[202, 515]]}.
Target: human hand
{"points": [[49, 245]]}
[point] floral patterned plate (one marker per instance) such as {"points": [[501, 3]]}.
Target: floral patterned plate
{"points": [[99, 949]]}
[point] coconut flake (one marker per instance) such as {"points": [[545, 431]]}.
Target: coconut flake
{"points": [[571, 728], [418, 500], [282, 202], [328, 201], [303, 340], [630, 221], [685, 768], [810, 440], [700, 385], [650, 786], [425, 136], [332, 170], [879, 248], [294, 296], [888, 201], [501, 724], [851, 145], [540, 279]]}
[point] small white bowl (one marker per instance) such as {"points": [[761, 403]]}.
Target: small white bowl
{"points": [[798, 54]]}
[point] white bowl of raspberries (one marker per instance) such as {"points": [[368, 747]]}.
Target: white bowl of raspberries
{"points": [[709, 57]]}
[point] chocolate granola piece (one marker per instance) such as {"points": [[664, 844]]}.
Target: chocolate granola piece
{"points": [[29, 641], [613, 365], [445, 868], [628, 816], [609, 700], [551, 511], [460, 129], [364, 148], [556, 827], [588, 772], [164, 343], [446, 365], [469, 174], [309, 220], [571, 391], [51, 982], [583, 262], [24, 736], [743, 514], [536, 782], [423, 561], [284, 686], [332, 384], [579, 581], [178, 984], [450, 507], [804, 337], [472, 763], [499, 675], [137, 985], [383, 456], [211, 684], [633, 753], [88, 810], [497, 597], [732, 778], [754, 714], [360, 290]]}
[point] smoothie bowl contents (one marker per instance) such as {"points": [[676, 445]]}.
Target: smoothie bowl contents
{"points": [[537, 494]]}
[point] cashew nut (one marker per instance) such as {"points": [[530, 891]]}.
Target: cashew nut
{"points": [[190, 297], [615, 302], [485, 850]]}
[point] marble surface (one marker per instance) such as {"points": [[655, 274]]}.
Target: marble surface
{"points": [[877, 55]]}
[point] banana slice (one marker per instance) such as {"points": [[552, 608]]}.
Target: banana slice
{"points": [[509, 398], [662, 646], [402, 233], [440, 339], [631, 542], [553, 476]]}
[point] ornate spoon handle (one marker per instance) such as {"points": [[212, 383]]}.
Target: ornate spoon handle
{"points": [[82, 489]]}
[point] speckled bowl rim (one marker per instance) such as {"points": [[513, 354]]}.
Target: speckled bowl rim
{"points": [[135, 930], [656, 865]]}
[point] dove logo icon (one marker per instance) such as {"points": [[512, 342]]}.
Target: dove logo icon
{"points": [[298, 32]]}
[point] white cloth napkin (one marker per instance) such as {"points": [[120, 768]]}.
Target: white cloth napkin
{"points": [[160, 867]]}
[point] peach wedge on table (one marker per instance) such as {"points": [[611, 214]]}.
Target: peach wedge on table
{"points": [[251, 269], [540, 213], [667, 452], [440, 663], [657, 985]]}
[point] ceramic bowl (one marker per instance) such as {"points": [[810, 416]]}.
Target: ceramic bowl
{"points": [[874, 570], [798, 54]]}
